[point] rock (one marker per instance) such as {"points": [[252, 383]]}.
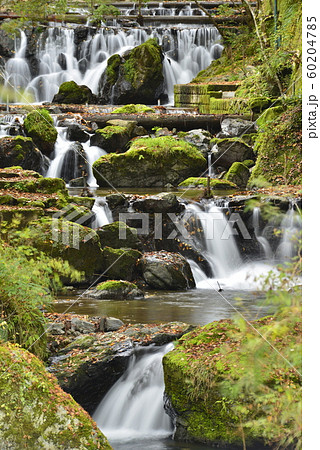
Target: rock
{"points": [[78, 245], [215, 184], [74, 163], [112, 324], [77, 132], [134, 78], [75, 213], [112, 138], [118, 290], [39, 126], [161, 203], [229, 150], [268, 115], [238, 174], [78, 182], [118, 235], [7, 44], [164, 270], [133, 129], [150, 162], [199, 138], [56, 328], [48, 417], [82, 326], [133, 108], [71, 93], [236, 127], [21, 151], [120, 263]]}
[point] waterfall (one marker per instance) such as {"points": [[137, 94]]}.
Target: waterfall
{"points": [[133, 408], [187, 51], [290, 231], [266, 248], [102, 213]]}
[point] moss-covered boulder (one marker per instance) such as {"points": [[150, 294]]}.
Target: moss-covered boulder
{"points": [[71, 93], [150, 162], [78, 245], [112, 138], [21, 151], [229, 150], [202, 182], [269, 115], [165, 270], [119, 235], [134, 78], [120, 263], [75, 164], [279, 149], [35, 412], [114, 289], [161, 203], [238, 174], [39, 126]]}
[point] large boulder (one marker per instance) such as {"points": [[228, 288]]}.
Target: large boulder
{"points": [[229, 150], [135, 77], [112, 138], [164, 270], [21, 151], [39, 126], [150, 162], [35, 412], [161, 203], [120, 263], [119, 235], [236, 127], [199, 138], [71, 93], [116, 289]]}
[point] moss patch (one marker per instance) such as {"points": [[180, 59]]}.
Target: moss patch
{"points": [[39, 126], [133, 109], [214, 183]]}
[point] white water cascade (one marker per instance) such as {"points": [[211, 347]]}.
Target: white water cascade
{"points": [[102, 212], [133, 408], [291, 232], [266, 248], [187, 51]]}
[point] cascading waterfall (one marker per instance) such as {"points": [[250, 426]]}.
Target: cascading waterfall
{"points": [[290, 231], [187, 51], [102, 213], [267, 251], [133, 408]]}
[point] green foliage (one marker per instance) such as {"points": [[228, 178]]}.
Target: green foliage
{"points": [[132, 109], [27, 278], [105, 10], [39, 125], [202, 182]]}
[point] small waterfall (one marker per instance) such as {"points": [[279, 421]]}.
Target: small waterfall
{"points": [[102, 212], [291, 231], [187, 51], [267, 251], [220, 248], [133, 408]]}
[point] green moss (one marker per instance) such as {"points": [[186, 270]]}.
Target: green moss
{"points": [[71, 93], [133, 109], [118, 235], [214, 183], [111, 130], [121, 262], [279, 149], [115, 285], [39, 126], [87, 202], [249, 163], [113, 67], [35, 412], [269, 115], [238, 174]]}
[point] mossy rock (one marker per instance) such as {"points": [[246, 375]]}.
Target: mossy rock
{"points": [[215, 184], [87, 202], [120, 263], [41, 185], [75, 213], [59, 238], [119, 235], [71, 93], [238, 174], [21, 150], [150, 162], [137, 77], [229, 150], [118, 290], [39, 126], [279, 149], [112, 138], [259, 104], [269, 116], [35, 412], [133, 109]]}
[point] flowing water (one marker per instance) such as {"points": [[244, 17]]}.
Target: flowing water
{"points": [[187, 51]]}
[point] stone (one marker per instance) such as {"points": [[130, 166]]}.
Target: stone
{"points": [[229, 150], [118, 290], [77, 132], [112, 324], [39, 126], [161, 203], [48, 417], [55, 328], [120, 263], [75, 163], [199, 138], [21, 151], [164, 270], [112, 138], [150, 162], [82, 326], [236, 127], [136, 77], [239, 174], [72, 93], [119, 235]]}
